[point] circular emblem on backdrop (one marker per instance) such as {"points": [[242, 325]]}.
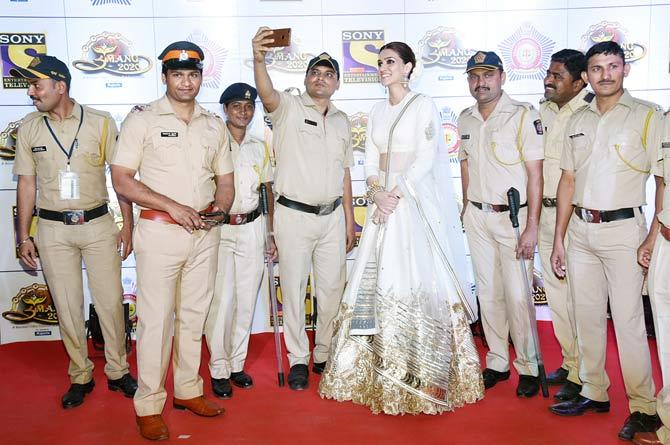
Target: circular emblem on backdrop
{"points": [[215, 56], [526, 53], [359, 126], [131, 300], [443, 47], [111, 52], [451, 136]]}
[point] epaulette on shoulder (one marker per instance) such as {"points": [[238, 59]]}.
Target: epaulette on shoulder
{"points": [[588, 98], [543, 100], [667, 113], [651, 105], [211, 113], [140, 108], [465, 111]]}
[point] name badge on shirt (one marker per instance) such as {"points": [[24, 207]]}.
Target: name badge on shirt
{"points": [[578, 135], [39, 149], [169, 134], [665, 144], [309, 122], [68, 184], [465, 137]]}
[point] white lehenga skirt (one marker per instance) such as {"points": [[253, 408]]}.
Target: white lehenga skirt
{"points": [[412, 351]]}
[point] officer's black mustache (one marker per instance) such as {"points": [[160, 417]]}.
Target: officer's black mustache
{"points": [[482, 88], [605, 81]]}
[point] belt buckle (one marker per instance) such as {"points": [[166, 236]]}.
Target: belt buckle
{"points": [[326, 209], [587, 215], [73, 217], [240, 218], [487, 207]]}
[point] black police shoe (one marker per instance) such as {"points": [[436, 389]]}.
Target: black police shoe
{"points": [[639, 422], [318, 367], [297, 377], [568, 391], [558, 377], [528, 386], [578, 406], [491, 377], [75, 395], [241, 379], [126, 385], [221, 388]]}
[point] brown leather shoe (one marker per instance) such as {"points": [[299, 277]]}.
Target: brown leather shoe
{"points": [[152, 427], [198, 405], [646, 439]]}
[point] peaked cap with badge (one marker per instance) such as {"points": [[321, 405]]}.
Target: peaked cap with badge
{"points": [[44, 67], [324, 59], [238, 91], [487, 60], [182, 55]]}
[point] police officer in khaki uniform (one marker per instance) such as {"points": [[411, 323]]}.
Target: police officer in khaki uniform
{"points": [[182, 154], [654, 253], [606, 163], [314, 221], [241, 248], [501, 147], [564, 93], [61, 151]]}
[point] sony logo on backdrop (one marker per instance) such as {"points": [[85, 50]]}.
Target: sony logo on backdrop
{"points": [[21, 38]]}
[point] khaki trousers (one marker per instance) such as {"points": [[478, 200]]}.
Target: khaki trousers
{"points": [[61, 250], [659, 295], [500, 288], [602, 262], [304, 241], [559, 297], [241, 265], [175, 284]]}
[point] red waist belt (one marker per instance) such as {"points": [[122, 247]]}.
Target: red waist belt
{"points": [[164, 217]]}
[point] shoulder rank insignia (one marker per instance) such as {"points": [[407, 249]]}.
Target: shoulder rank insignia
{"points": [[139, 108], [589, 97]]}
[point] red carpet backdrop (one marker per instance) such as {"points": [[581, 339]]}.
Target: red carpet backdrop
{"points": [[111, 48]]}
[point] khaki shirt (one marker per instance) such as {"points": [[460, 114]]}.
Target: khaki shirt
{"points": [[175, 159], [609, 155], [38, 153], [497, 147], [252, 167], [555, 120], [311, 150], [662, 168]]}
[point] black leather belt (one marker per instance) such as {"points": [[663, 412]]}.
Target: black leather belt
{"points": [[74, 217], [325, 209], [496, 208], [237, 219], [603, 216], [549, 202]]}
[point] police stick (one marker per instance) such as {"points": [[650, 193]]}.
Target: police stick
{"points": [[513, 202], [273, 292]]}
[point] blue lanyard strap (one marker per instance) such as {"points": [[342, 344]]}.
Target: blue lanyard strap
{"points": [[74, 141]]}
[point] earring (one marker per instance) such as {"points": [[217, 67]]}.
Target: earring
{"points": [[405, 80]]}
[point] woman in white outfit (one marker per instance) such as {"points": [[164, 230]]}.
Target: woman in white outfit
{"points": [[402, 341]]}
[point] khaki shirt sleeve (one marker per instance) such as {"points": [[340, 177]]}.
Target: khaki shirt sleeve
{"points": [[567, 153], [24, 163], [279, 115], [268, 174], [462, 152], [349, 151], [654, 143], [532, 142], [129, 149], [112, 139], [223, 161]]}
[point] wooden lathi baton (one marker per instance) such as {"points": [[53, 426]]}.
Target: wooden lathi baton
{"points": [[513, 202], [273, 292]]}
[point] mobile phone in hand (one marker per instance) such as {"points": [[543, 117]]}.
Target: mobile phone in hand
{"points": [[281, 36]]}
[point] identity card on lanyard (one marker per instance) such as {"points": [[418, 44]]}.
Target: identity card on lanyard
{"points": [[68, 181]]}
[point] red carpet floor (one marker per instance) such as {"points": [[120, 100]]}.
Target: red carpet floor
{"points": [[33, 377]]}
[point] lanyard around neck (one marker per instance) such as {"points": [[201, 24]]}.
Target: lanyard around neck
{"points": [[68, 154]]}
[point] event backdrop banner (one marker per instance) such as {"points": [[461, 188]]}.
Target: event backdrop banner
{"points": [[111, 48]]}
